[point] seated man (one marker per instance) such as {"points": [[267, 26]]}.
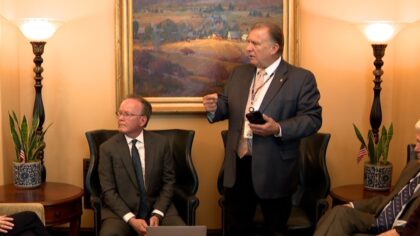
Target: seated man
{"points": [[136, 173], [23, 223], [377, 215]]}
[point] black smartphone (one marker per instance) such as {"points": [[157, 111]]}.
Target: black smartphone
{"points": [[255, 117]]}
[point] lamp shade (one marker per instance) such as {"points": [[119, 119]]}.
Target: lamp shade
{"points": [[379, 32], [38, 29]]}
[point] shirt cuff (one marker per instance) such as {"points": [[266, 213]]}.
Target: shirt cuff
{"points": [[156, 211], [128, 216], [399, 223], [279, 134]]}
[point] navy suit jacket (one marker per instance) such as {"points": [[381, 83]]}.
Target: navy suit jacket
{"points": [[292, 101], [120, 193]]}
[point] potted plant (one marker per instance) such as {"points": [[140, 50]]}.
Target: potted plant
{"points": [[378, 170], [28, 145]]}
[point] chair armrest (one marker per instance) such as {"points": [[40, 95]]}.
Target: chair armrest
{"points": [[12, 208], [96, 205], [186, 205]]}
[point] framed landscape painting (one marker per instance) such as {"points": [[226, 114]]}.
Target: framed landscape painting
{"points": [[175, 51]]}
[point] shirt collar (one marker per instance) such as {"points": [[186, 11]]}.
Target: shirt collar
{"points": [[139, 138], [271, 68]]}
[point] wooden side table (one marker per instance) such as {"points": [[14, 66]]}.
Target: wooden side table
{"points": [[354, 192], [62, 202]]}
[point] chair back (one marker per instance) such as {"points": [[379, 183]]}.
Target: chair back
{"points": [[314, 179], [181, 143], [411, 154], [95, 138]]}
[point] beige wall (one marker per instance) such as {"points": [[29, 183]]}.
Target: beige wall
{"points": [[79, 86]]}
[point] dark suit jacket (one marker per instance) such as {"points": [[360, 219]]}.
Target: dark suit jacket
{"points": [[376, 204], [292, 100], [120, 193], [413, 225]]}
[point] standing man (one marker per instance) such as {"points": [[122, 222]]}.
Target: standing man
{"points": [[261, 160], [380, 215], [137, 176]]}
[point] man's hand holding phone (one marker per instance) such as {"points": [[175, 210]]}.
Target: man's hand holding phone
{"points": [[262, 125], [255, 117]]}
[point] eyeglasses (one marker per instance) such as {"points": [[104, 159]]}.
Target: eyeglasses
{"points": [[125, 114]]}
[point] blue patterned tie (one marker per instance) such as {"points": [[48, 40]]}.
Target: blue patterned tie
{"points": [[386, 218], [135, 156]]}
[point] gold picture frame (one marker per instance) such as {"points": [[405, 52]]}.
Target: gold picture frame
{"points": [[191, 104]]}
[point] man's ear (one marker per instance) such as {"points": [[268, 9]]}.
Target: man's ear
{"points": [[143, 121], [275, 48]]}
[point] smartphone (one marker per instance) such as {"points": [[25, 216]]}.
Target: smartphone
{"points": [[255, 117]]}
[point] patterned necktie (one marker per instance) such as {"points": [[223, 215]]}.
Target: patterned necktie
{"points": [[245, 144], [135, 156], [386, 218]]}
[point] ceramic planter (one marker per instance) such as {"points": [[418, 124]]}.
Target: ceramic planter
{"points": [[377, 177], [27, 175]]}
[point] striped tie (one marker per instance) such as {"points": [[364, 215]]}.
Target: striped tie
{"points": [[245, 144], [386, 218]]}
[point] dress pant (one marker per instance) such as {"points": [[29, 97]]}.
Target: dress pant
{"points": [[241, 202], [344, 220], [118, 227], [27, 223]]}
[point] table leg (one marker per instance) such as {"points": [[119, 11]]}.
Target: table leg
{"points": [[75, 226]]}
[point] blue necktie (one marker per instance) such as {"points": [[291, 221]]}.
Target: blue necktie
{"points": [[135, 156], [386, 218]]}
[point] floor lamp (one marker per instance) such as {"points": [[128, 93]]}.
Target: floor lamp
{"points": [[378, 34], [37, 31]]}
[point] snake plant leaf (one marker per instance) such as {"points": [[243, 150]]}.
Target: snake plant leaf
{"points": [[371, 148], [390, 132], [24, 134], [380, 145], [388, 137], [359, 135], [15, 136]]}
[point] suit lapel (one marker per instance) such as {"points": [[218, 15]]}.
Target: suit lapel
{"points": [[275, 86], [412, 170], [244, 87], [148, 159], [124, 153]]}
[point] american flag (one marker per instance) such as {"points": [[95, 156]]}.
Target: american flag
{"points": [[362, 152], [22, 156]]}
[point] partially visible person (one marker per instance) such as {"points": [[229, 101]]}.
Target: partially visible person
{"points": [[390, 215], [412, 228], [136, 173], [26, 223], [261, 160]]}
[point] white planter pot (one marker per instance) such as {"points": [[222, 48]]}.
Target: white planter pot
{"points": [[377, 177], [27, 175]]}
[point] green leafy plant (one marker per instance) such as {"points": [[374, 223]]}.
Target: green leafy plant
{"points": [[376, 150], [28, 144]]}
